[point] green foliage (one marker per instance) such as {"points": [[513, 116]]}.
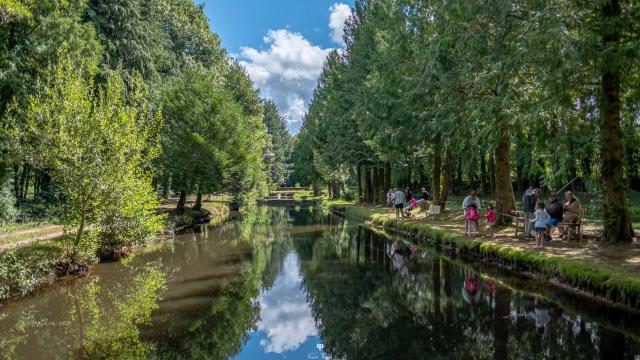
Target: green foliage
{"points": [[213, 142], [8, 211], [279, 152], [98, 143], [495, 96], [25, 269]]}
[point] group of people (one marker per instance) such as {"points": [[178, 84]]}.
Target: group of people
{"points": [[542, 218], [404, 201], [471, 206]]}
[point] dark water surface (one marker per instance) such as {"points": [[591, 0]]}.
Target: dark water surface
{"points": [[296, 283]]}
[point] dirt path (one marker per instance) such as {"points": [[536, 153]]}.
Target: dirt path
{"points": [[48, 232], [625, 256]]}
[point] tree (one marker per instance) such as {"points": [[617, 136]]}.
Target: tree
{"points": [[280, 144], [130, 32], [98, 143]]}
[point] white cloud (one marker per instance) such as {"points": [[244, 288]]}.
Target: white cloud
{"points": [[285, 316], [339, 14], [286, 72]]}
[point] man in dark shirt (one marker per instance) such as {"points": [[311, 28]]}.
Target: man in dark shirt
{"points": [[529, 201], [555, 213]]}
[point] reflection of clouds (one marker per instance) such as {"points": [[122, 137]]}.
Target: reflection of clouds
{"points": [[285, 315]]}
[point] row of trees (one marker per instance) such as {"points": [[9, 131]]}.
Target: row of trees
{"points": [[103, 101], [484, 95]]}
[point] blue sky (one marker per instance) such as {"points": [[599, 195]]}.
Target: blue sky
{"points": [[282, 43]]}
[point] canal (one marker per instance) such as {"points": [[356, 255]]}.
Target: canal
{"points": [[299, 283]]}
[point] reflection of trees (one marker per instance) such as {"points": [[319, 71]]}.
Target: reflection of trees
{"points": [[364, 311], [94, 319]]}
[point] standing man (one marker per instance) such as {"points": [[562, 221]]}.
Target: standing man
{"points": [[529, 201], [471, 199], [399, 201]]}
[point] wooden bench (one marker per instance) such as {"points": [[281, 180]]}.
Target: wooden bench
{"points": [[434, 210], [518, 218]]}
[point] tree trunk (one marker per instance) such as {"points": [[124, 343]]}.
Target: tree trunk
{"points": [[166, 188], [335, 191], [616, 218], [504, 190], [16, 183], [198, 204], [181, 202], [25, 191], [381, 188], [448, 169], [76, 241], [316, 189], [457, 184], [483, 173], [387, 176], [359, 176], [374, 184], [437, 168], [492, 173], [367, 185]]}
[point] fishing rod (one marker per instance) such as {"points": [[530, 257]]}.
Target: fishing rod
{"points": [[566, 186]]}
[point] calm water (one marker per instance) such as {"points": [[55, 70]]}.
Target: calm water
{"points": [[295, 283]]}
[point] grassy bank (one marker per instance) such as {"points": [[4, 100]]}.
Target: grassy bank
{"points": [[24, 269], [614, 283]]}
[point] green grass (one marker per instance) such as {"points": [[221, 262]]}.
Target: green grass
{"points": [[607, 281], [22, 226], [306, 195], [25, 269]]}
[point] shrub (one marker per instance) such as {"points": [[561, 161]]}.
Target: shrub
{"points": [[8, 210]]}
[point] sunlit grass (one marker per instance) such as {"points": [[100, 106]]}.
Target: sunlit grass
{"points": [[44, 231]]}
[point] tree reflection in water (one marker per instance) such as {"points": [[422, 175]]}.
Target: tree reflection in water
{"points": [[298, 277]]}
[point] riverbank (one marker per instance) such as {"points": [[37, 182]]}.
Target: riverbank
{"points": [[35, 263], [611, 273]]}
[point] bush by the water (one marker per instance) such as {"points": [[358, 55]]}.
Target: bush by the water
{"points": [[8, 211]]}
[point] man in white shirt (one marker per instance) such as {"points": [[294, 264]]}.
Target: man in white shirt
{"points": [[399, 203]]}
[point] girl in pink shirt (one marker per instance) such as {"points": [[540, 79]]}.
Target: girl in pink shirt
{"points": [[472, 218], [491, 219]]}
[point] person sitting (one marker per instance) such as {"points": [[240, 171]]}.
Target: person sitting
{"points": [[472, 217], [425, 194], [555, 211], [572, 208], [423, 202]]}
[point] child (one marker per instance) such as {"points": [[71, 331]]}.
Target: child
{"points": [[391, 196], [472, 219], [541, 216], [491, 219]]}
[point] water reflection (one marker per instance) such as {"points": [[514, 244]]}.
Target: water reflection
{"points": [[298, 283]]}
